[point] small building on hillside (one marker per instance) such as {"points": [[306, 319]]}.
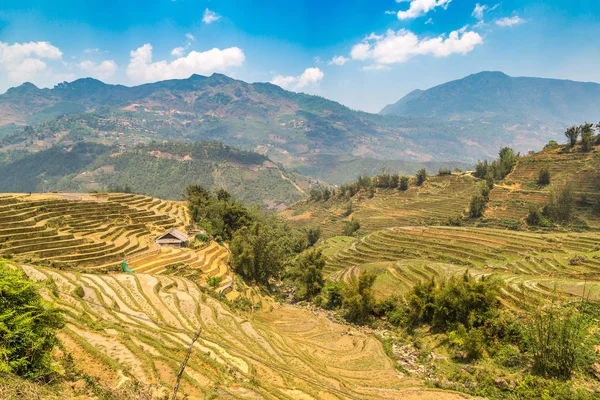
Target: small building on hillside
{"points": [[174, 237]]}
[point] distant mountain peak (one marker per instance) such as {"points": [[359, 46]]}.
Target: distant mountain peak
{"points": [[81, 83], [498, 74], [493, 94], [23, 88]]}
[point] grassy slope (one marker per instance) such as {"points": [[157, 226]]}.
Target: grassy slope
{"points": [[160, 170], [519, 190], [438, 199], [139, 327]]}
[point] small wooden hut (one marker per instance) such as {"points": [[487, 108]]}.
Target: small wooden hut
{"points": [[173, 237]]}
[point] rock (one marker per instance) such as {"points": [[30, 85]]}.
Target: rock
{"points": [[501, 383]]}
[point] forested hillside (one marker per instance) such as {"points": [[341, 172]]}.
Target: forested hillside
{"points": [[160, 170]]}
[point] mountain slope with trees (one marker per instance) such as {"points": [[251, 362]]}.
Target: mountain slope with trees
{"points": [[459, 121]]}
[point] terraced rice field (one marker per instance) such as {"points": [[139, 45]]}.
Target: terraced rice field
{"points": [[532, 265], [96, 232], [520, 190], [141, 325], [440, 198]]}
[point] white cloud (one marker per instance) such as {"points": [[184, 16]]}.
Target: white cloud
{"points": [[142, 69], [210, 16], [25, 61], [178, 51], [88, 51], [429, 21], [479, 10], [418, 8], [20, 51], [509, 21], [398, 47], [375, 67], [390, 12], [310, 77], [338, 60], [105, 70], [284, 81], [360, 51]]}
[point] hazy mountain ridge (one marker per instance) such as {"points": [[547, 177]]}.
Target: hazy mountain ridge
{"points": [[460, 121], [495, 94]]}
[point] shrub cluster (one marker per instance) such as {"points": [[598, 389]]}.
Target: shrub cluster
{"points": [[27, 327]]}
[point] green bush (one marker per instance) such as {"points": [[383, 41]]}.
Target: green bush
{"points": [[350, 227], [334, 295], [307, 274], [561, 204], [313, 234], [476, 206], [213, 281], [403, 183], [78, 291], [552, 144], [559, 341], [421, 176], [27, 327], [357, 298], [469, 344], [544, 177], [536, 218], [444, 171], [457, 300]]}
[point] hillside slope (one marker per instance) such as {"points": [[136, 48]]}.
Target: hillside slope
{"points": [[160, 170], [139, 327]]}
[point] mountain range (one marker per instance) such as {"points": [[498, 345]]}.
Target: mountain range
{"points": [[451, 125]]}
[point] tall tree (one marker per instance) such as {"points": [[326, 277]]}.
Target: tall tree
{"points": [[587, 136], [307, 274], [572, 134]]}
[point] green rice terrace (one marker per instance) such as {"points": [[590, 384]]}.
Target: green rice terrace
{"points": [[96, 232], [531, 264]]}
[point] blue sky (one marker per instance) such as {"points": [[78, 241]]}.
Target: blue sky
{"points": [[362, 53]]}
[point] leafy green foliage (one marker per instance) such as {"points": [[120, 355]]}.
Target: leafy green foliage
{"points": [[572, 133], [552, 144], [350, 227], [421, 176], [476, 206], [258, 253], [466, 300], [559, 341], [587, 136], [27, 327], [313, 234], [537, 218], [78, 291], [307, 274], [544, 177], [499, 168], [213, 281], [358, 300], [219, 214], [403, 183], [260, 244], [561, 205]]}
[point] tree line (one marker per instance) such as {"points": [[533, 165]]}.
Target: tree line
{"points": [[367, 184]]}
